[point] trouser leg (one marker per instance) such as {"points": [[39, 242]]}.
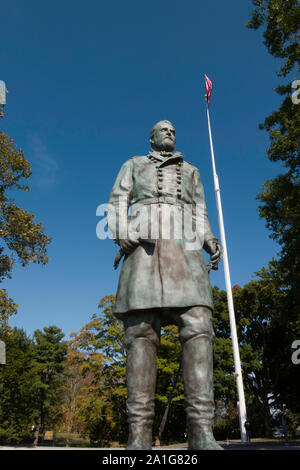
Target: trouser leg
{"points": [[196, 336], [141, 341]]}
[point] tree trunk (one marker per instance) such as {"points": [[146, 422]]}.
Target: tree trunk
{"points": [[37, 431], [267, 418], [69, 425], [164, 419]]}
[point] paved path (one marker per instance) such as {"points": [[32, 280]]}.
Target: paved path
{"points": [[232, 445], [237, 445]]}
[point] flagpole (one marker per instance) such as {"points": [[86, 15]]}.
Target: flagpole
{"points": [[235, 344]]}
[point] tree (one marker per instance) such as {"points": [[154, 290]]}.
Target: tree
{"points": [[258, 307], [16, 405], [281, 35], [285, 374], [47, 375], [280, 196], [169, 388], [103, 412], [22, 237], [85, 405], [29, 383], [77, 380], [7, 308], [226, 422]]}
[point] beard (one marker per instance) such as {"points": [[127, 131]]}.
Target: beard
{"points": [[167, 145]]}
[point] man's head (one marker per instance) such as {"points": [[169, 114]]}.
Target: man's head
{"points": [[162, 136]]}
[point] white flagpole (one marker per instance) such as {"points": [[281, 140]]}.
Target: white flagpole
{"points": [[235, 344]]}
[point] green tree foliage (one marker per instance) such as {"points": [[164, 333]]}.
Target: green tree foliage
{"points": [[281, 19], [226, 423], [47, 376], [280, 196], [29, 383], [256, 307], [7, 308], [169, 387], [22, 238], [285, 374], [16, 406], [266, 361], [98, 350], [224, 383], [74, 391], [84, 408]]}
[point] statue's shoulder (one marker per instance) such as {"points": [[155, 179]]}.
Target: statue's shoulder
{"points": [[138, 158], [132, 161], [190, 165], [135, 159]]}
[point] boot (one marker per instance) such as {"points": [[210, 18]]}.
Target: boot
{"points": [[141, 381], [197, 365], [201, 437]]}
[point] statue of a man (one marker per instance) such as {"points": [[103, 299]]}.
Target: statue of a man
{"points": [[164, 280]]}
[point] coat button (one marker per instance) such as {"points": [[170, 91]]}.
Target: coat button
{"points": [[159, 186]]}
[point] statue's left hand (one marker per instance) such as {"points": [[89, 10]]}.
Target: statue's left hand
{"points": [[215, 249]]}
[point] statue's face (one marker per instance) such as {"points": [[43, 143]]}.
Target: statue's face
{"points": [[164, 137]]}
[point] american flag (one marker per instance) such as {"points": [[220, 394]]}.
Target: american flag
{"points": [[208, 89]]}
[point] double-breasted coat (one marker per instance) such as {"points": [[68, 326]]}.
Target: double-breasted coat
{"points": [[167, 269]]}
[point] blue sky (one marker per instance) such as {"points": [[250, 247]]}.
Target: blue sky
{"points": [[86, 81]]}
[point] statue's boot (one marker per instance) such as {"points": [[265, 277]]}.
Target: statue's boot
{"points": [[198, 385], [141, 381]]}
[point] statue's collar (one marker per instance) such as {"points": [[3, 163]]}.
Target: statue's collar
{"points": [[164, 156]]}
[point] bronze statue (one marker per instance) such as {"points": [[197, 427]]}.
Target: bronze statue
{"points": [[164, 280]]}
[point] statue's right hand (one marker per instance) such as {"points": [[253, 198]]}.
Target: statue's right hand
{"points": [[128, 245]]}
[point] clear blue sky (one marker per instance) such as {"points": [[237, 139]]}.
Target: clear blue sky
{"points": [[87, 80]]}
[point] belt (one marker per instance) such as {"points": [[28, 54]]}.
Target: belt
{"points": [[161, 200]]}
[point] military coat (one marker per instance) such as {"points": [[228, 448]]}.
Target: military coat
{"points": [[167, 269]]}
